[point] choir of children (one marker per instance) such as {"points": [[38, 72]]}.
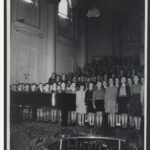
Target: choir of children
{"points": [[112, 89]]}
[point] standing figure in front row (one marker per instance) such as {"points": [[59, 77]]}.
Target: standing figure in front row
{"points": [[72, 114], [80, 105], [98, 103], [123, 97], [89, 103], [54, 111], [135, 106], [110, 102]]}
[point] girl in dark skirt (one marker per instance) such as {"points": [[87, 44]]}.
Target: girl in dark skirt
{"points": [[89, 103], [123, 96], [135, 107], [131, 120], [98, 103]]}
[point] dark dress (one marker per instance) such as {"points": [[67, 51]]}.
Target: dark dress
{"points": [[98, 96], [135, 106], [123, 99], [89, 101]]}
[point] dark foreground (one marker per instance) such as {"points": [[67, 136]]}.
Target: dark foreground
{"points": [[46, 136]]}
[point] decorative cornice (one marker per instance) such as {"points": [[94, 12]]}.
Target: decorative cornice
{"points": [[25, 29]]}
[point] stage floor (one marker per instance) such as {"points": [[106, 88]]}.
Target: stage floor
{"points": [[29, 135]]}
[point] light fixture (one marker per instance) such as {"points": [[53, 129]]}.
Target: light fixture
{"points": [[93, 12]]}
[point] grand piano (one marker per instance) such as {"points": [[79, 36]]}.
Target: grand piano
{"points": [[64, 101]]}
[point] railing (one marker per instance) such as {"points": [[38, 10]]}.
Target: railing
{"points": [[91, 143]]}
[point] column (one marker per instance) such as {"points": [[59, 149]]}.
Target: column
{"points": [[51, 37], [83, 42]]}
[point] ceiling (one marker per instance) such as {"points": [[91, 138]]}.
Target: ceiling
{"points": [[121, 6]]}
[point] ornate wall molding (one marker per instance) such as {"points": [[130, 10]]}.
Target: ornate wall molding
{"points": [[28, 30]]}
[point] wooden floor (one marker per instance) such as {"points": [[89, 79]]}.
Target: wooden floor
{"points": [[32, 135]]}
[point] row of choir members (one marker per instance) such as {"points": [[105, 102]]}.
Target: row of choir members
{"points": [[113, 65], [67, 86], [123, 104], [125, 100]]}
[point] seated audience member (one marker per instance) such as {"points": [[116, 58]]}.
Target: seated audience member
{"points": [[74, 79], [104, 84], [54, 89], [85, 79], [46, 88], [89, 79], [105, 77], [14, 87], [113, 76], [73, 87], [94, 79], [33, 87], [78, 81], [23, 87], [27, 87], [98, 78], [68, 90], [50, 88], [98, 103], [40, 87], [82, 79], [117, 82], [64, 78], [130, 82], [52, 78], [58, 80], [121, 73], [19, 87], [59, 88], [63, 87]]}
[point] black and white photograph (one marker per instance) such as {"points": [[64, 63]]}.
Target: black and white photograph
{"points": [[77, 75]]}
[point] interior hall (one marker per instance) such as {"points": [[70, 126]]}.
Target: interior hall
{"points": [[77, 74]]}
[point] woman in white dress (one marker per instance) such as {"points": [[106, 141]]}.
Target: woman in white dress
{"points": [[80, 105]]}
